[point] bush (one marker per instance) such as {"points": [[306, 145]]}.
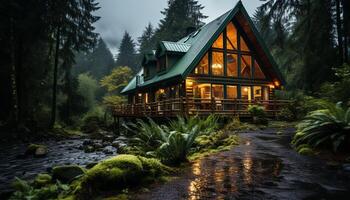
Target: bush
{"points": [[327, 127], [42, 180], [258, 114]]}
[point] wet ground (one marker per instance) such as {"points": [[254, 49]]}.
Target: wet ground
{"points": [[264, 166], [14, 164]]}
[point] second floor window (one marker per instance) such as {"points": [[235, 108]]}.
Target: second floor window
{"points": [[161, 64]]}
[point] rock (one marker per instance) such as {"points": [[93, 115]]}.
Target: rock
{"points": [[91, 165], [32, 148], [67, 173], [108, 138], [40, 152], [97, 145], [88, 142], [108, 150], [346, 167], [89, 149], [115, 144]]}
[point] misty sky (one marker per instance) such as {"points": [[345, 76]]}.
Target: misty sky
{"points": [[118, 16]]}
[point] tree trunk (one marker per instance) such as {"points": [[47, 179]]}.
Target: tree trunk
{"points": [[55, 71], [14, 117], [346, 33], [339, 33]]}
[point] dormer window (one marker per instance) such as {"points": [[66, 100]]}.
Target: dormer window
{"points": [[146, 71], [161, 64]]}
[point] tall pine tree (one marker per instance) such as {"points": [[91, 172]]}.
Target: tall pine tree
{"points": [[127, 54], [146, 42], [178, 17]]}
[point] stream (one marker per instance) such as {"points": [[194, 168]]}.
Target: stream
{"points": [[13, 163]]}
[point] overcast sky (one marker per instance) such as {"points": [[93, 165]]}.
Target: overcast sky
{"points": [[118, 16]]}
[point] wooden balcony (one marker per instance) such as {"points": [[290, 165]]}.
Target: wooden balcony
{"points": [[197, 106]]}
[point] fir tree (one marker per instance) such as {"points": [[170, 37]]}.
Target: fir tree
{"points": [[127, 53], [146, 42], [178, 17]]}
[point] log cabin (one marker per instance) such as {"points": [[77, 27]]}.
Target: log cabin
{"points": [[222, 68]]}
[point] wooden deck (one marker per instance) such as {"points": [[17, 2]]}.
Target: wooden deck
{"points": [[196, 106]]}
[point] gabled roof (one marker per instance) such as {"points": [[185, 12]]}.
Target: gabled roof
{"points": [[199, 43]]}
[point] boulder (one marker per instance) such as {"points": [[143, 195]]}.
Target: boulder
{"points": [[109, 150], [67, 173], [40, 152], [115, 144], [89, 149]]}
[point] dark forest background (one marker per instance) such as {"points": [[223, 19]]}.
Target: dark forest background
{"points": [[56, 71]]}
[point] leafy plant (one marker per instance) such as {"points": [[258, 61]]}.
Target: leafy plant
{"points": [[177, 146], [329, 126], [205, 126], [26, 191]]}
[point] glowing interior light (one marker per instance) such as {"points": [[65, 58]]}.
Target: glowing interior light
{"points": [[217, 66], [245, 89], [277, 84]]}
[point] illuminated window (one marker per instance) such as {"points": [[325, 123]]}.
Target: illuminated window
{"points": [[201, 90], [219, 43], [231, 92], [244, 46], [258, 74], [258, 93], [217, 66], [246, 93], [203, 66], [231, 37], [246, 66], [232, 65], [218, 91]]}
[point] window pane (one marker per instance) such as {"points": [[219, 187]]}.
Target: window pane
{"points": [[201, 90], [217, 66], [232, 64], [203, 66], [258, 74], [246, 66], [219, 43], [218, 91], [231, 37], [244, 46], [231, 91], [246, 93], [257, 92]]}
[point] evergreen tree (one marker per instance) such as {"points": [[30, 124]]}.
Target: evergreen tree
{"points": [[178, 17], [146, 42], [98, 62], [127, 53]]}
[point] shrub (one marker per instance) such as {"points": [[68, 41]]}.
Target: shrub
{"points": [[258, 114], [42, 180], [329, 126], [205, 126], [177, 146]]}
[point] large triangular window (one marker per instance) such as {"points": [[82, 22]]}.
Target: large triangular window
{"points": [[258, 73], [219, 43], [231, 40]]}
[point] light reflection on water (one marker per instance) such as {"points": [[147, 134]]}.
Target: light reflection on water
{"points": [[224, 176]]}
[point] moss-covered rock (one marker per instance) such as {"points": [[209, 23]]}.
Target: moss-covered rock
{"points": [[32, 148], [42, 180], [119, 172], [67, 173], [306, 151]]}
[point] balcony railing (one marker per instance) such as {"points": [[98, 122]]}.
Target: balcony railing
{"points": [[197, 106]]}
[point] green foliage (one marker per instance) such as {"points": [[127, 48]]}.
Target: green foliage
{"points": [[117, 79], [25, 191], [127, 53], [177, 146], [42, 180], [113, 100], [327, 127], [87, 87], [205, 125], [67, 173], [256, 111], [235, 124], [338, 90]]}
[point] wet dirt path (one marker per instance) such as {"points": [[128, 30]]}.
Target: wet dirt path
{"points": [[263, 166]]}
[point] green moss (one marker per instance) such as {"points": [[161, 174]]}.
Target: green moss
{"points": [[306, 151], [120, 172], [33, 147], [236, 125], [42, 180], [67, 173], [118, 197]]}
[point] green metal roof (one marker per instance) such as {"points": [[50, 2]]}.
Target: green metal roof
{"points": [[175, 46], [198, 43]]}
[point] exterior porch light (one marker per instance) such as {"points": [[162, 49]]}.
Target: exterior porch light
{"points": [[272, 86], [276, 83], [140, 94]]}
